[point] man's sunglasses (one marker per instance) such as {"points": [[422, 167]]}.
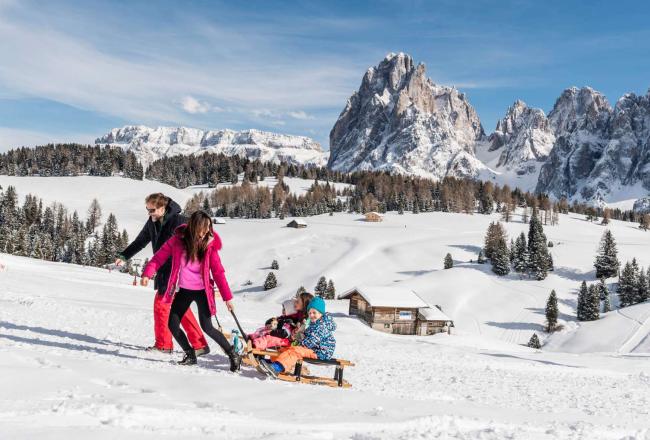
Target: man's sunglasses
{"points": [[151, 210]]}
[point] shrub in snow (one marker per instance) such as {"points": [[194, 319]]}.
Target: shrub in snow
{"points": [[449, 262], [534, 342], [271, 281], [275, 265]]}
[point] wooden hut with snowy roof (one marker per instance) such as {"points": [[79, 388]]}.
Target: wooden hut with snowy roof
{"points": [[396, 310], [373, 216], [297, 223]]}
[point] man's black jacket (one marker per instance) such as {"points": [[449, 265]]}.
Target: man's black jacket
{"points": [[157, 234]]}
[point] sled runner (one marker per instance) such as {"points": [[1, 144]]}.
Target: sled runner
{"points": [[253, 355]]}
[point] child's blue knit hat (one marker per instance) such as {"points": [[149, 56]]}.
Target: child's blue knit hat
{"points": [[318, 304]]}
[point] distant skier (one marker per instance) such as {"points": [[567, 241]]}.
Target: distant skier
{"points": [[196, 267], [164, 218]]}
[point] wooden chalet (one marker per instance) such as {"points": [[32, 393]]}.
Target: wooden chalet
{"points": [[297, 223], [395, 310], [374, 216]]}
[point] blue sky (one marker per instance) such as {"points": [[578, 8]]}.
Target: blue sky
{"points": [[71, 70]]}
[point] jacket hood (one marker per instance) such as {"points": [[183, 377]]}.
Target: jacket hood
{"points": [[215, 242], [172, 210]]}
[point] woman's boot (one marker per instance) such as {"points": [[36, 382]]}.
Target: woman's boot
{"points": [[235, 360], [189, 358]]}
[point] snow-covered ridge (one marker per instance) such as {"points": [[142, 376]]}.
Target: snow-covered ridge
{"points": [[150, 144]]}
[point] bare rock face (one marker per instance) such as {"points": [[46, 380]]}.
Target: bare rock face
{"points": [[525, 138], [580, 121], [400, 121], [150, 144]]}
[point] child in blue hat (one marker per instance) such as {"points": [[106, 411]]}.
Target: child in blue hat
{"points": [[318, 343]]}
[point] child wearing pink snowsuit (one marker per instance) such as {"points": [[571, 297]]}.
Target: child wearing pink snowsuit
{"points": [[281, 331]]}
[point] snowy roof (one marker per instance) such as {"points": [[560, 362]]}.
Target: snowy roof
{"points": [[433, 314], [387, 296], [299, 221], [218, 220], [374, 213]]}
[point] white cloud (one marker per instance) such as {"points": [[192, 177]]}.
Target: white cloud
{"points": [[193, 105], [300, 115]]}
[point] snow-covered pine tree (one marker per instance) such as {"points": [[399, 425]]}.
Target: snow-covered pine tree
{"points": [[512, 252], [449, 262], [583, 298], [593, 304], [331, 290], [603, 291], [321, 287], [534, 342], [275, 265], [300, 290], [481, 257], [538, 257], [551, 312], [607, 264], [500, 258], [642, 291], [271, 281], [94, 216], [626, 285], [607, 305], [520, 263]]}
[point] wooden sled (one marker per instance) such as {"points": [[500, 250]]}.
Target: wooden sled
{"points": [[253, 355]]}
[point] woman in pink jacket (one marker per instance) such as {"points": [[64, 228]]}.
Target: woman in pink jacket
{"points": [[194, 250]]}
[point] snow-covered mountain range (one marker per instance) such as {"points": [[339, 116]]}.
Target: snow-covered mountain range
{"points": [[150, 144], [399, 120]]}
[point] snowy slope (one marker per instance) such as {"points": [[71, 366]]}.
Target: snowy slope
{"points": [[72, 366], [71, 338]]}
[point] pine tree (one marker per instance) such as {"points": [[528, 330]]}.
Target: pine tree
{"points": [[300, 290], [607, 305], [627, 283], [642, 289], [321, 287], [520, 260], [275, 265], [592, 311], [494, 234], [583, 298], [449, 262], [551, 312], [331, 291], [534, 342], [603, 291], [607, 264], [481, 257], [539, 261], [94, 216], [500, 259], [271, 281]]}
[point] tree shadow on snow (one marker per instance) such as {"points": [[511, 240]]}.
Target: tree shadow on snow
{"points": [[500, 355], [468, 248], [417, 273], [541, 311], [574, 274], [517, 325]]}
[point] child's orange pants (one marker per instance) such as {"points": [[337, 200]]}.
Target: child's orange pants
{"points": [[289, 356]]}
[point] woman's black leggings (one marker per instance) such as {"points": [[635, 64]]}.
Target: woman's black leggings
{"points": [[182, 302]]}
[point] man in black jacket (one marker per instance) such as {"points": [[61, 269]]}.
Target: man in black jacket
{"points": [[164, 217]]}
